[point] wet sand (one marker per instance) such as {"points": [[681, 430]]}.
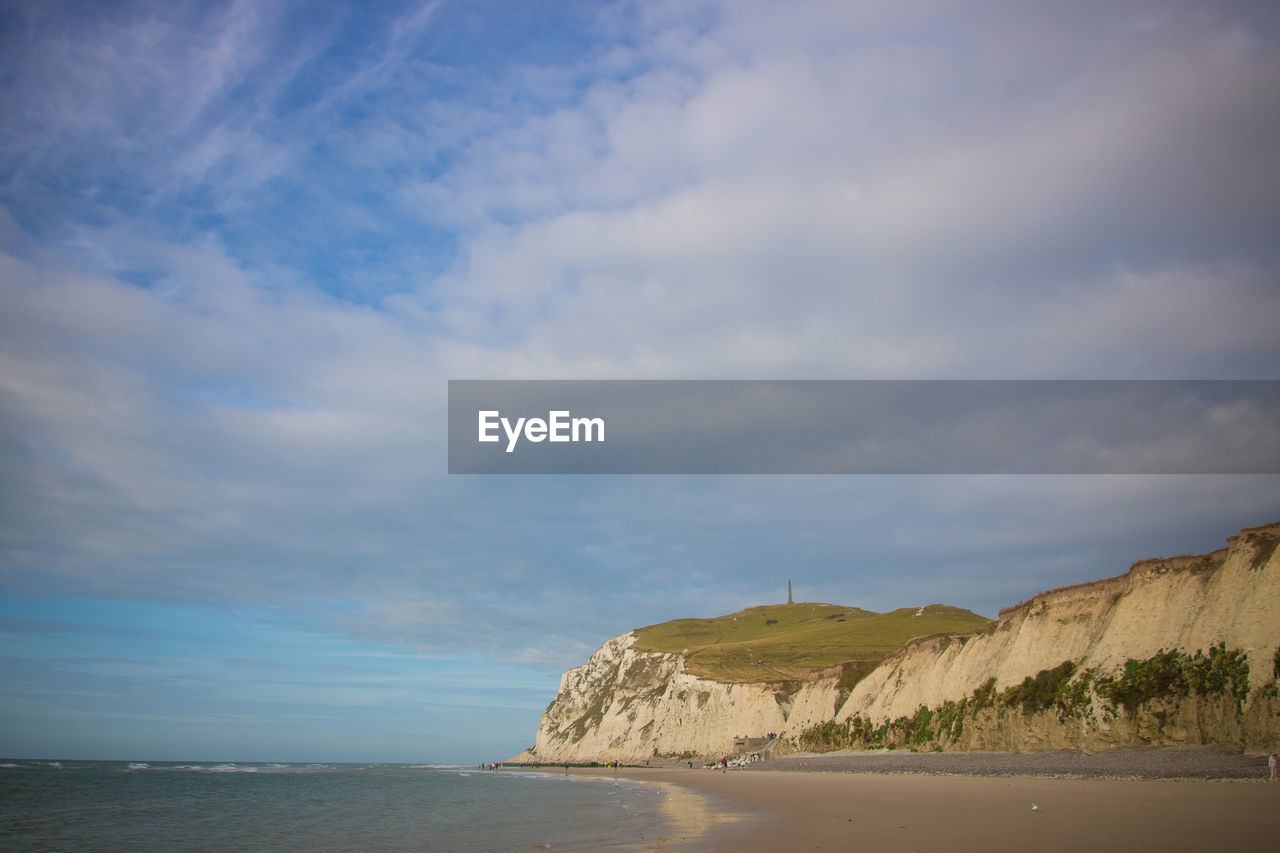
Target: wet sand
{"points": [[805, 810]]}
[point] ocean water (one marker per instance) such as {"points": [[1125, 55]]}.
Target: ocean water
{"points": [[172, 806]]}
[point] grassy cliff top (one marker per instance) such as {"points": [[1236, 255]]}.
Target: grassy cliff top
{"points": [[785, 641]]}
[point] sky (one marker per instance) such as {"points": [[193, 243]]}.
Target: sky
{"points": [[244, 246]]}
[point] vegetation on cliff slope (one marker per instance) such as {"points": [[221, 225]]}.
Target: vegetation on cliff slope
{"points": [[788, 641], [1066, 691]]}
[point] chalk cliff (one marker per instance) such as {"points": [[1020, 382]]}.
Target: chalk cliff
{"points": [[631, 704]]}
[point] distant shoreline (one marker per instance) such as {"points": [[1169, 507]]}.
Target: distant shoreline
{"points": [[1201, 763]]}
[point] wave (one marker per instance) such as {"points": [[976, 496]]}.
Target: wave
{"points": [[233, 767], [11, 765]]}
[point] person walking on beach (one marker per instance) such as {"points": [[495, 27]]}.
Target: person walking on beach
{"points": [[1272, 764]]}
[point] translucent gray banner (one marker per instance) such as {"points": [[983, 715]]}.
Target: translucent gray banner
{"points": [[864, 427]]}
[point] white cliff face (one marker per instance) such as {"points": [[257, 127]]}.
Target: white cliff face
{"points": [[627, 704], [1231, 596]]}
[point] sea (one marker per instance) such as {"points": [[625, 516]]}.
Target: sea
{"points": [[216, 806]]}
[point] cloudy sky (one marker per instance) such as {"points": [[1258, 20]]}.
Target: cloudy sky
{"points": [[243, 246]]}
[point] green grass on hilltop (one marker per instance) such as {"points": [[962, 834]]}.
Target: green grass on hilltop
{"points": [[788, 641]]}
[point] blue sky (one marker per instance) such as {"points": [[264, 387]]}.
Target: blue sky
{"points": [[244, 245]]}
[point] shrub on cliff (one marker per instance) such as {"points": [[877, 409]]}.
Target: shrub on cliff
{"points": [[1174, 674], [1041, 691]]}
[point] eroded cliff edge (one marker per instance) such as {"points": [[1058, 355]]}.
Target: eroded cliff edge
{"points": [[1086, 645]]}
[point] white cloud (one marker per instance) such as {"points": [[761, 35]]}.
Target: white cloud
{"points": [[855, 209]]}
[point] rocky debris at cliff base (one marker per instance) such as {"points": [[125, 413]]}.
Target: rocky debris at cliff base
{"points": [[1173, 762]]}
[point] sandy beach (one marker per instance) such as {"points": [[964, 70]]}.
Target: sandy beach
{"points": [[803, 809]]}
